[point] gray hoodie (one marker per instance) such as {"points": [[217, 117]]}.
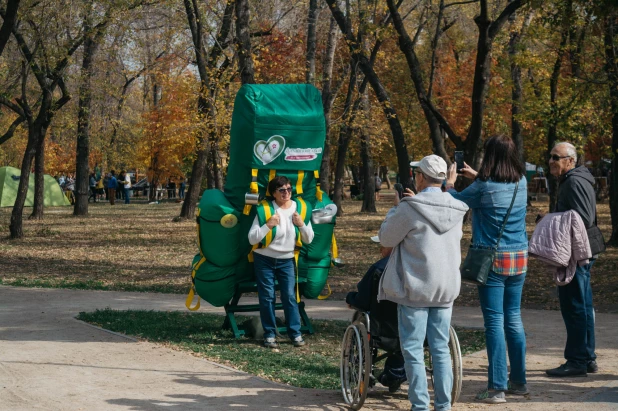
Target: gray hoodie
{"points": [[425, 233]]}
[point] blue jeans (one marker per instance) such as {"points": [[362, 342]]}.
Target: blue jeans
{"points": [[500, 301], [266, 270], [126, 195], [414, 325], [578, 315]]}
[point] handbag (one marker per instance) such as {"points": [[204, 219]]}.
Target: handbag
{"points": [[479, 261], [595, 237]]}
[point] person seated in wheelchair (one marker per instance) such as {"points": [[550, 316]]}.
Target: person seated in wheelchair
{"points": [[383, 317]]}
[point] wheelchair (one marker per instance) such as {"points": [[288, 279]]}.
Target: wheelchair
{"points": [[373, 336]]}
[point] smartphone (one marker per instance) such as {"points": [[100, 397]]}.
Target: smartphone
{"points": [[459, 160], [399, 188]]}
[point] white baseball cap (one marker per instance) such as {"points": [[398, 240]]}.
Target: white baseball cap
{"points": [[375, 239], [433, 166]]}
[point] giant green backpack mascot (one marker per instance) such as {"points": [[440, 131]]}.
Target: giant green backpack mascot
{"points": [[276, 130]]}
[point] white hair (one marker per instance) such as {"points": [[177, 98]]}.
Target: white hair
{"points": [[570, 149]]}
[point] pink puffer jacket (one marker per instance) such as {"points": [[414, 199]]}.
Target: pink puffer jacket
{"points": [[560, 239]]}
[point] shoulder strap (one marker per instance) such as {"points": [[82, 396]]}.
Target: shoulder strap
{"points": [[508, 213], [265, 210]]}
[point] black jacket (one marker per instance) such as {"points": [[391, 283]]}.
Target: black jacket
{"points": [[362, 298], [576, 192]]}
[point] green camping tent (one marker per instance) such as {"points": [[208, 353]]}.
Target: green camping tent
{"points": [[9, 182]]}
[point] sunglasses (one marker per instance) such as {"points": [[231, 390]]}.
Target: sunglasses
{"points": [[556, 157], [283, 190]]}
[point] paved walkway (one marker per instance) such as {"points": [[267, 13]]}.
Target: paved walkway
{"points": [[50, 361]]}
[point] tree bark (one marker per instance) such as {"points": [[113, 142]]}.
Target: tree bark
{"points": [[82, 156], [312, 20], [369, 199], [243, 38], [516, 92], [328, 97], [16, 226], [611, 67], [39, 176], [10, 18]]}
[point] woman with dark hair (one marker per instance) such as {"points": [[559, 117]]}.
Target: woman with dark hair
{"points": [[277, 234], [489, 197]]}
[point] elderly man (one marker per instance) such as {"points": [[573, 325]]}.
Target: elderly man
{"points": [[575, 192], [422, 276]]}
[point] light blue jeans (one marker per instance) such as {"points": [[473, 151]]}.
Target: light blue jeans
{"points": [[500, 301], [414, 325]]}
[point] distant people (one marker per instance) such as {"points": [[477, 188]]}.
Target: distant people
{"points": [[489, 197], [92, 182], [112, 185], [171, 188], [576, 192], [100, 188], [126, 186], [119, 192], [422, 277], [62, 180], [378, 182], [181, 190]]}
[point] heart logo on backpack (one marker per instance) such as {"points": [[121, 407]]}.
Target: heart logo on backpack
{"points": [[269, 150]]}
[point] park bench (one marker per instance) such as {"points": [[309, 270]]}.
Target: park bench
{"points": [[234, 307]]}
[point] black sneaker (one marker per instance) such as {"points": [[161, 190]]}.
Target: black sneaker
{"points": [[567, 370], [592, 367]]}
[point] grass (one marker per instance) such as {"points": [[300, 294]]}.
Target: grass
{"points": [[315, 365], [138, 247]]}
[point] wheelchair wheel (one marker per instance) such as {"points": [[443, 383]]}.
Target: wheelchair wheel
{"points": [[457, 365], [355, 367], [456, 361]]}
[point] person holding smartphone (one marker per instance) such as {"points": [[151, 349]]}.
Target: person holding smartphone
{"points": [[489, 197]]}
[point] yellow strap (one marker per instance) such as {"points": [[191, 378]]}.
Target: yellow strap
{"points": [[299, 182], [303, 208], [324, 297], [296, 254], [334, 247], [247, 209], [190, 299], [254, 185], [271, 175], [318, 191], [250, 256], [267, 215]]}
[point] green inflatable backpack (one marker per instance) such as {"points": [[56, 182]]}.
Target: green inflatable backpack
{"points": [[276, 130]]}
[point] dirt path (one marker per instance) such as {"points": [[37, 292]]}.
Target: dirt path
{"points": [[50, 361]]}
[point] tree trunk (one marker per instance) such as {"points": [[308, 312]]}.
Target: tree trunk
{"points": [[392, 117], [611, 57], [552, 182], [82, 185], [516, 93], [10, 19], [312, 21], [369, 199], [39, 175], [327, 102], [16, 226], [208, 85], [243, 38], [384, 176]]}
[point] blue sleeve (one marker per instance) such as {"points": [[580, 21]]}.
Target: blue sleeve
{"points": [[471, 195]]}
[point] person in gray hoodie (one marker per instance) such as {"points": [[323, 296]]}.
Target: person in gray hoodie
{"points": [[422, 277]]}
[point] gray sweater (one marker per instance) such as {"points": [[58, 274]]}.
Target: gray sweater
{"points": [[425, 232]]}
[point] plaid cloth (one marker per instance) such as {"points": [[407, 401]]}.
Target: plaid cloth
{"points": [[511, 262]]}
